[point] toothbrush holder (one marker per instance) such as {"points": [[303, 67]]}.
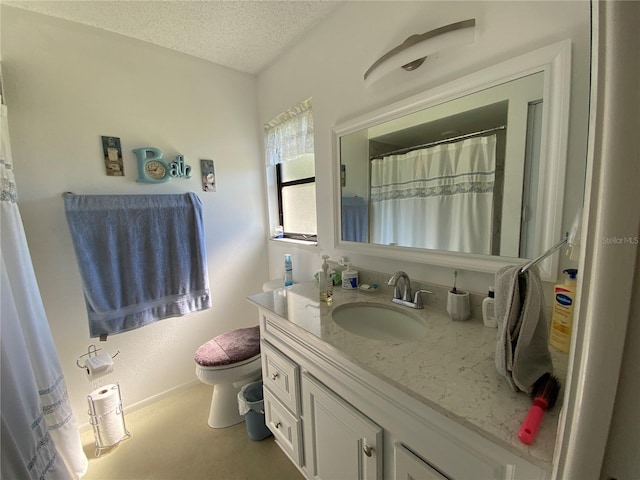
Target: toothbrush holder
{"points": [[458, 306]]}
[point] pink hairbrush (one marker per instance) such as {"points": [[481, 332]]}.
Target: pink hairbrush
{"points": [[544, 393]]}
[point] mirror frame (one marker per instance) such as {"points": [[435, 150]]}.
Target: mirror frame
{"points": [[555, 62]]}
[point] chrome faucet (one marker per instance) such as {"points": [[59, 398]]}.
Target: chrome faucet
{"points": [[393, 282], [404, 298]]}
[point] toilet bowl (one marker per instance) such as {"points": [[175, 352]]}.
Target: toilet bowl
{"points": [[228, 362]]}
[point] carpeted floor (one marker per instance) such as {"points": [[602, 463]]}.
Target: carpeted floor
{"points": [[170, 440]]}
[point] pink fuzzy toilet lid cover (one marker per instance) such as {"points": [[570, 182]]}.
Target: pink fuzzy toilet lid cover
{"points": [[230, 347]]}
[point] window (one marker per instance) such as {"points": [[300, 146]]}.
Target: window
{"points": [[289, 151], [297, 197]]}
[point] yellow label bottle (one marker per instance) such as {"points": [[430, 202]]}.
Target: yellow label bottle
{"points": [[564, 295]]}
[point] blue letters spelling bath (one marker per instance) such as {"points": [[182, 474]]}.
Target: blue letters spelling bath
{"points": [[179, 168]]}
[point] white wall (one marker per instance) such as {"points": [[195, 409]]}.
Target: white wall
{"points": [[66, 85], [329, 64]]}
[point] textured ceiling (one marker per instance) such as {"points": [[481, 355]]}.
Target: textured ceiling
{"points": [[240, 34]]}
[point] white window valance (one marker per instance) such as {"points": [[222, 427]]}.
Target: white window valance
{"points": [[290, 134]]}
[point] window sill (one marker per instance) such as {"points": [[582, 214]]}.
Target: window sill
{"points": [[308, 243]]}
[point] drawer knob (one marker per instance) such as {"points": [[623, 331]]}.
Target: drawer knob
{"points": [[274, 376], [367, 450], [278, 425]]}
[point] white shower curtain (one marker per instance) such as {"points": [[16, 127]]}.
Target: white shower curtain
{"points": [[40, 438], [438, 198]]}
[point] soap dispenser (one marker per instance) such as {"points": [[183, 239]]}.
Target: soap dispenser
{"points": [[325, 282]]}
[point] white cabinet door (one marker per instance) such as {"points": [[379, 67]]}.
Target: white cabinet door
{"points": [[339, 441], [411, 467]]}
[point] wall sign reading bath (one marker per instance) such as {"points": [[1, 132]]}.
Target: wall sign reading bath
{"points": [[152, 169]]}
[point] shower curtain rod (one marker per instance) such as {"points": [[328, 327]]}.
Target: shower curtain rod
{"points": [[438, 142]]}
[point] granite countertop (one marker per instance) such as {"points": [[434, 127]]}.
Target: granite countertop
{"points": [[451, 369]]}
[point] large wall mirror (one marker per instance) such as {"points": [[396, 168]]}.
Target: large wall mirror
{"points": [[469, 175]]}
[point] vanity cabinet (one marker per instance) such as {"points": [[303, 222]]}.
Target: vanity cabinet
{"points": [[339, 441], [335, 419]]}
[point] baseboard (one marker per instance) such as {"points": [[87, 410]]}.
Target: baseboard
{"points": [[86, 427]]}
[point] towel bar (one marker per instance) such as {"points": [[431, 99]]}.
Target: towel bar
{"points": [[535, 261]]}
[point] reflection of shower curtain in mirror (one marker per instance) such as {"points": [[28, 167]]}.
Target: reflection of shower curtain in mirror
{"points": [[438, 198]]}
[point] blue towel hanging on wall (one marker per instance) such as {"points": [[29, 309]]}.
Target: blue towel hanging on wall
{"points": [[142, 258]]}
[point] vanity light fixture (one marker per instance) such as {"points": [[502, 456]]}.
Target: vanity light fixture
{"points": [[412, 53]]}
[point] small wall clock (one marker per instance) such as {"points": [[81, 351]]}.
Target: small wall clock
{"points": [[151, 167], [155, 170]]}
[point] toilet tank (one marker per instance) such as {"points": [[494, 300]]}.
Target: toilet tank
{"points": [[272, 284]]}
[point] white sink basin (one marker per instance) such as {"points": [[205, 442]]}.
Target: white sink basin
{"points": [[379, 321]]}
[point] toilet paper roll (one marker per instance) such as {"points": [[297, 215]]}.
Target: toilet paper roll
{"points": [[105, 399], [98, 366], [107, 415], [112, 429]]}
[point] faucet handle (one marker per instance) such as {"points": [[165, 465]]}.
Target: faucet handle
{"points": [[417, 299]]}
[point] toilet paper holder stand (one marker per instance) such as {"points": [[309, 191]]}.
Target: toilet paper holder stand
{"points": [[92, 351], [96, 421]]}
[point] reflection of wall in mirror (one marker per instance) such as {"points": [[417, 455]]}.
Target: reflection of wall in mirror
{"points": [[355, 191], [353, 148]]}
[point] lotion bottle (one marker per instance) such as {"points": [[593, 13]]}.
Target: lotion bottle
{"points": [[489, 310], [562, 318], [349, 278], [325, 282]]}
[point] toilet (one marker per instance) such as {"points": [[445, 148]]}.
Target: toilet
{"points": [[228, 362]]}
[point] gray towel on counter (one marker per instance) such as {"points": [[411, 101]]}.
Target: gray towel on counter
{"points": [[142, 258], [522, 351]]}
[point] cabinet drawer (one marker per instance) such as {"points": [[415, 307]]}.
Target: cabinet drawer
{"points": [[280, 375], [409, 466], [285, 427]]}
